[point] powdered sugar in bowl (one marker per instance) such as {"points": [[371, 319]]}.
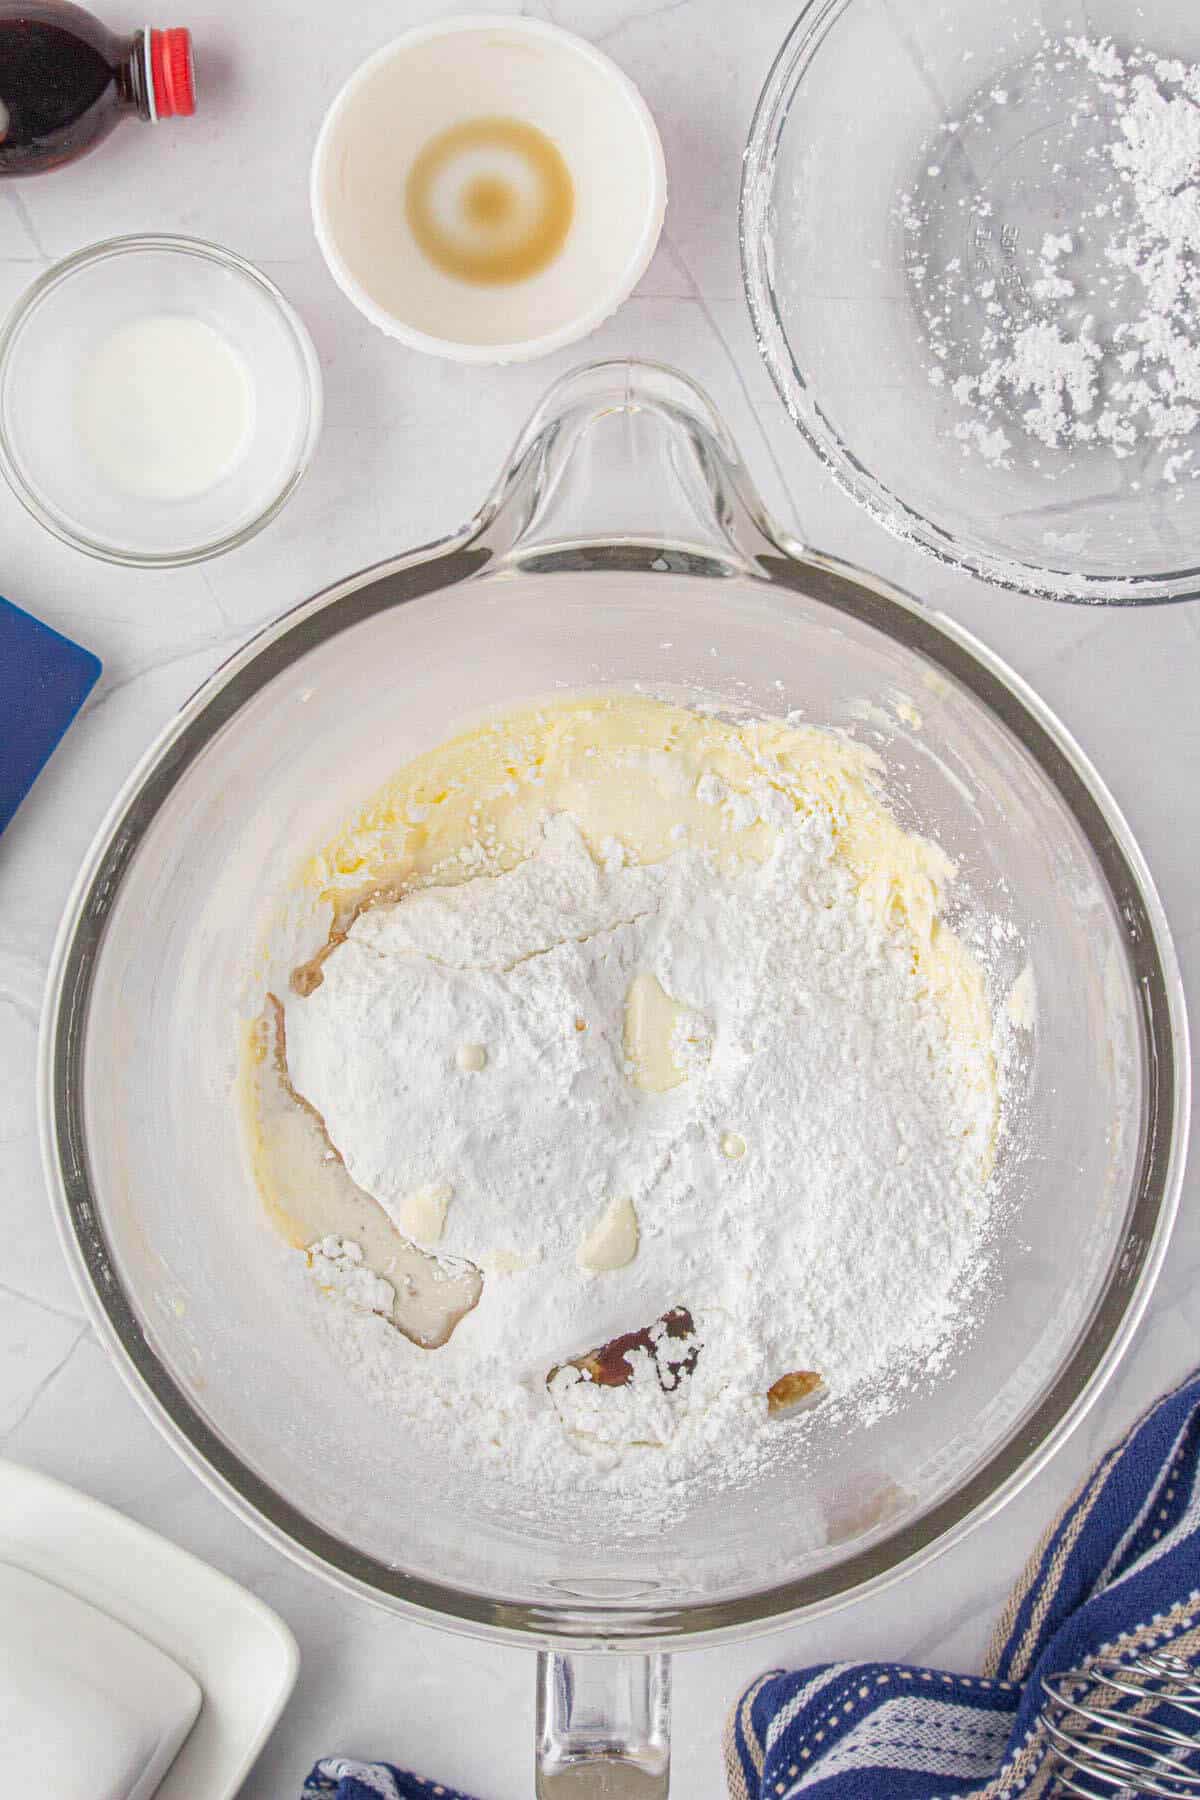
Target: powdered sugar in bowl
{"points": [[970, 250], [204, 1308]]}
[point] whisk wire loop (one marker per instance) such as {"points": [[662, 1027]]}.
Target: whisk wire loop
{"points": [[1108, 1735]]}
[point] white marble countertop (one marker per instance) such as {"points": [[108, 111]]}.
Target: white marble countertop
{"points": [[409, 447]]}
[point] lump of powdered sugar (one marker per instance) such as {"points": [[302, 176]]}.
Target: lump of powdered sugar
{"points": [[337, 1267], [992, 445], [1057, 373]]}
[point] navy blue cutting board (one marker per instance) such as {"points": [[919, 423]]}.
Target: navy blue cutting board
{"points": [[44, 680]]}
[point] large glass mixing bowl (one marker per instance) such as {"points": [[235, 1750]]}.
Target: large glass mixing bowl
{"points": [[906, 165], [623, 545]]}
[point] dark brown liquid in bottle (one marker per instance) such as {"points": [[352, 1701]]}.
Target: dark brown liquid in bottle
{"points": [[65, 81]]}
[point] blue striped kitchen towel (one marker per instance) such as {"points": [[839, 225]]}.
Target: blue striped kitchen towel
{"points": [[1118, 1572], [346, 1780]]}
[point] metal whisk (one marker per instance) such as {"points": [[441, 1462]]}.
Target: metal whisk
{"points": [[1120, 1728]]}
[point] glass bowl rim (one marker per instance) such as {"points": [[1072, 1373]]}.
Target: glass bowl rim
{"points": [[137, 244]]}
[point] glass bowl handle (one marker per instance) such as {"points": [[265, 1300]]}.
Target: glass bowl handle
{"points": [[629, 453], [603, 1726]]}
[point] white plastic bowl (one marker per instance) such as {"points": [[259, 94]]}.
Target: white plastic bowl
{"points": [[441, 75]]}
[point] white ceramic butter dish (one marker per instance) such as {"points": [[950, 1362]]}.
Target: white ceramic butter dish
{"points": [[88, 1707], [221, 1642]]}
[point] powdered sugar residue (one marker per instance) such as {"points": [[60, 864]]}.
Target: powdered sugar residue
{"points": [[1089, 338]]}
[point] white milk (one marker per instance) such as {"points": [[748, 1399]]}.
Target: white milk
{"points": [[165, 407]]}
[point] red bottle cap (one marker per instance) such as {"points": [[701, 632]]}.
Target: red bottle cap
{"points": [[172, 73]]}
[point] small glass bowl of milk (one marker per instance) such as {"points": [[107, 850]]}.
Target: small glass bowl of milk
{"points": [[159, 400]]}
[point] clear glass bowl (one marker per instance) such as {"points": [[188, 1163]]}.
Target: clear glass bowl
{"points": [[623, 545], [48, 342], [870, 100]]}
